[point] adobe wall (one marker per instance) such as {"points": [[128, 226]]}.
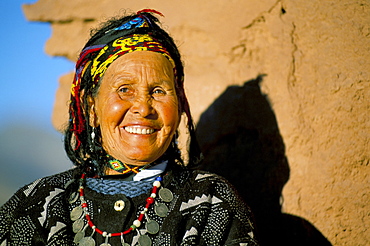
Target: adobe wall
{"points": [[315, 55]]}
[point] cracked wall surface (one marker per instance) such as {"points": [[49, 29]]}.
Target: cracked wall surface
{"points": [[315, 58]]}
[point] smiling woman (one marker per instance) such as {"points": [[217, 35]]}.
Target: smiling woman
{"points": [[137, 108], [130, 185]]}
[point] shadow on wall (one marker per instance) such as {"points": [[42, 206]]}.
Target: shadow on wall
{"points": [[240, 140]]}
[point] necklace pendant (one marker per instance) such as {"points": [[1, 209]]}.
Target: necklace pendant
{"points": [[144, 240], [160, 209], [165, 194], [76, 213], [78, 225], [152, 227], [87, 241], [123, 241], [106, 240], [78, 237], [73, 197]]}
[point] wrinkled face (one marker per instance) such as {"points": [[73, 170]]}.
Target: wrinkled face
{"points": [[137, 107]]}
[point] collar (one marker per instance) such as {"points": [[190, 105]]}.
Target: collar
{"points": [[151, 172]]}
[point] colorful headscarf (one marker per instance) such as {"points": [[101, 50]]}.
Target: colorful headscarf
{"points": [[96, 59], [124, 45]]}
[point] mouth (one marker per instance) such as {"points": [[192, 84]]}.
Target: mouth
{"points": [[139, 130]]}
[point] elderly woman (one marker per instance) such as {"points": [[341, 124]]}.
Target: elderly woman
{"points": [[130, 185]]}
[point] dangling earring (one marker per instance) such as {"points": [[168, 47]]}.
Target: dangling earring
{"points": [[92, 139], [93, 134]]}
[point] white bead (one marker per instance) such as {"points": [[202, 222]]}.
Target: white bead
{"points": [[145, 210], [157, 184], [104, 234], [153, 195], [137, 223]]}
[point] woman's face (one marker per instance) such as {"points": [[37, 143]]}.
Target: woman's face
{"points": [[137, 107]]}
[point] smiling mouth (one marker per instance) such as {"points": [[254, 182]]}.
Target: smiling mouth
{"points": [[138, 130]]}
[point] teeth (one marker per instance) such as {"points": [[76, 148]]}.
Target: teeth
{"points": [[138, 130]]}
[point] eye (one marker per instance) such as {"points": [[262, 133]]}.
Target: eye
{"points": [[159, 90], [125, 90]]}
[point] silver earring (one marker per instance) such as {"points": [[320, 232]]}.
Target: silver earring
{"points": [[93, 134], [92, 139]]}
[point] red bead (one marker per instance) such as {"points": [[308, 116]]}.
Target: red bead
{"points": [[127, 231], [88, 217], [141, 217], [84, 205], [90, 223], [154, 190], [98, 231], [150, 200]]}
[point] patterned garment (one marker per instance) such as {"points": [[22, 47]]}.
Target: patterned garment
{"points": [[205, 210]]}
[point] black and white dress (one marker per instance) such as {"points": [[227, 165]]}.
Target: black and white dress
{"points": [[204, 210]]}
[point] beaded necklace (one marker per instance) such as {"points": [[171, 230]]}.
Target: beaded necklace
{"points": [[79, 227]]}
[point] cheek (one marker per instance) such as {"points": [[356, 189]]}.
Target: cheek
{"points": [[171, 115], [116, 108], [112, 113]]}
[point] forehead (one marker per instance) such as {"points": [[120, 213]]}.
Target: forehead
{"points": [[137, 61]]}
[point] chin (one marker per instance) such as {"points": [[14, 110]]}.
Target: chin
{"points": [[140, 159]]}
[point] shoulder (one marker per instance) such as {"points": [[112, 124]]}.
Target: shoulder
{"points": [[206, 184], [25, 208], [219, 191], [24, 214], [33, 192], [49, 183], [212, 200], [211, 180], [200, 175]]}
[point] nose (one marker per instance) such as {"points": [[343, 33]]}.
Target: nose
{"points": [[143, 107]]}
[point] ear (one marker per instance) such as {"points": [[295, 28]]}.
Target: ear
{"points": [[93, 118]]}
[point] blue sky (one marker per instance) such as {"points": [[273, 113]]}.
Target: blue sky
{"points": [[29, 146], [29, 76]]}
